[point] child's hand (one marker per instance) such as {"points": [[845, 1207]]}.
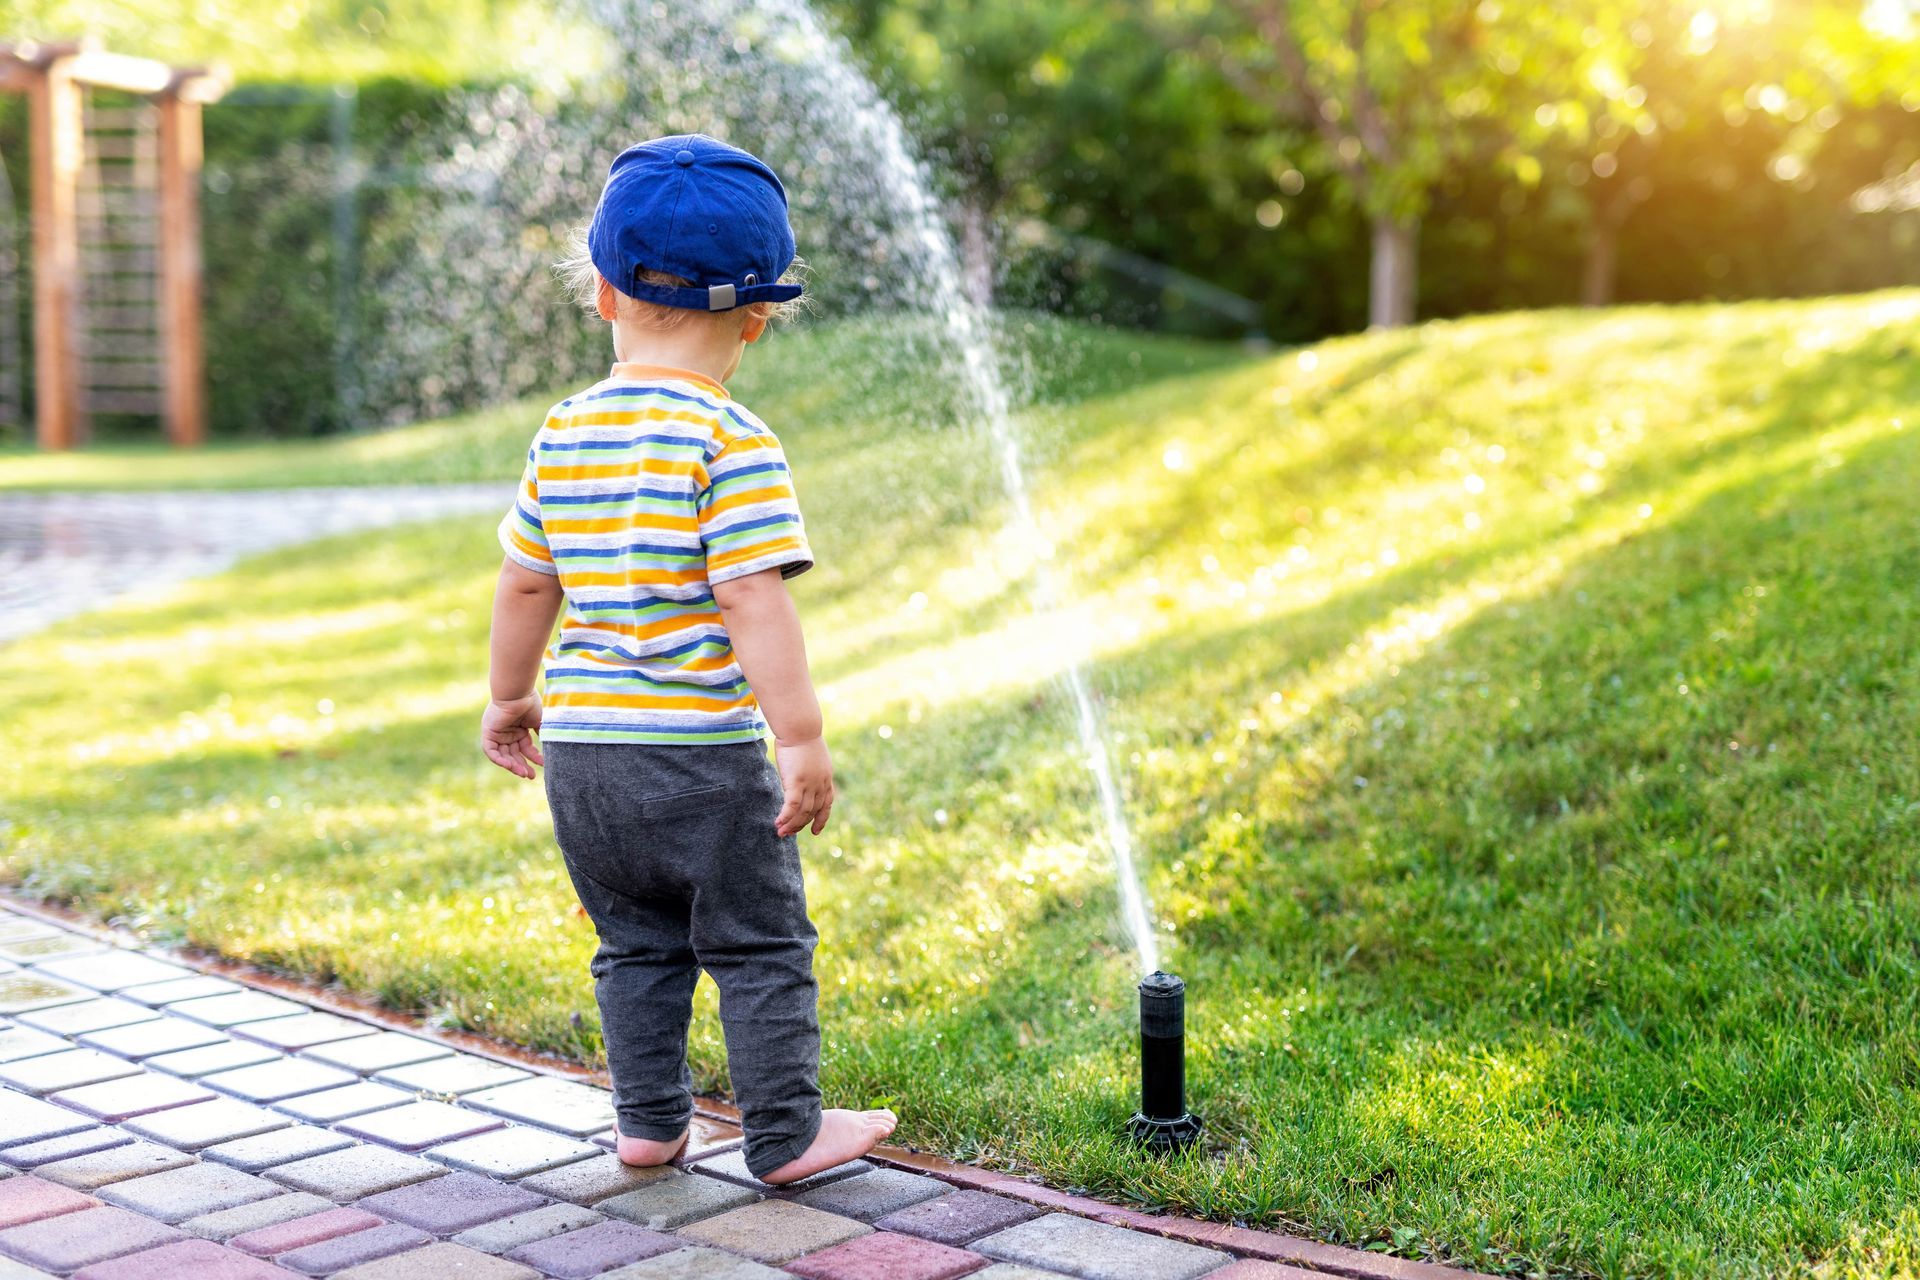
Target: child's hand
{"points": [[506, 734], [806, 775]]}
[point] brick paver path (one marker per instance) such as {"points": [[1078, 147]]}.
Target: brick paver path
{"points": [[66, 553], [157, 1123]]}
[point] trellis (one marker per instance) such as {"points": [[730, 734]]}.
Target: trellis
{"points": [[115, 149]]}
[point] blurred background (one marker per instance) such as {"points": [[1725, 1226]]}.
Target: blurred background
{"points": [[1277, 172]]}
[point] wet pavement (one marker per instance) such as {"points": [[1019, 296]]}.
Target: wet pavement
{"points": [[65, 553]]}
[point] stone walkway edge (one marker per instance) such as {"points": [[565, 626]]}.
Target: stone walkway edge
{"points": [[901, 1214]]}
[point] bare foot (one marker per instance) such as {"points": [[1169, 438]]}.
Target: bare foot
{"points": [[645, 1151], [844, 1135]]}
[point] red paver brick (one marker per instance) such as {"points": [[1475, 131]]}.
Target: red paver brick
{"points": [[592, 1250], [70, 1241], [187, 1260], [28, 1199], [453, 1203], [301, 1232], [886, 1256], [959, 1217]]}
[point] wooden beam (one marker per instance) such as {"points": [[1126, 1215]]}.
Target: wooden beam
{"points": [[182, 346], [56, 142]]}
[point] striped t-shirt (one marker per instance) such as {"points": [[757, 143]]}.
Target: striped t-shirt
{"points": [[641, 492]]}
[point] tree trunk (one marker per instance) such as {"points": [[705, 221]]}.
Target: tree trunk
{"points": [[1603, 255], [1395, 272]]}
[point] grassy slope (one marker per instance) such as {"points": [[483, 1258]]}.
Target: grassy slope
{"points": [[1516, 717]]}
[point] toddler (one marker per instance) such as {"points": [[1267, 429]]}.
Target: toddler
{"points": [[660, 514]]}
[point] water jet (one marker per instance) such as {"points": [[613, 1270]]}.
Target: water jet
{"points": [[1163, 1122]]}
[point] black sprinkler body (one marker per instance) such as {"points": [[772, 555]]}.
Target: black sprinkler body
{"points": [[1163, 1122]]}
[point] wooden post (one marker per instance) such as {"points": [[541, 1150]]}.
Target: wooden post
{"points": [[182, 350], [55, 140]]}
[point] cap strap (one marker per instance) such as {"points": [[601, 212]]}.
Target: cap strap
{"points": [[720, 297]]}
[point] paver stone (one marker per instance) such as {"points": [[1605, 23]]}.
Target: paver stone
{"points": [[885, 1256], [354, 1099], [673, 1202], [732, 1165], [281, 1078], [228, 1223], [351, 1250], [24, 989], [418, 1125], [353, 1172], [578, 1109], [282, 1146], [187, 1192], [774, 1231], [197, 1064], [512, 1152], [303, 1031], [697, 1263], [377, 1052], [197, 987], [591, 1181], [959, 1217], [48, 1150], [29, 1199], [1257, 1269], [71, 1241], [525, 1228], [203, 1124], [71, 1069], [592, 1250], [440, 1262], [185, 1260], [463, 1073], [1096, 1251], [236, 1008], [152, 1037], [79, 1016], [11, 1270], [298, 1233], [49, 946], [117, 1164], [133, 1096], [112, 970], [17, 1042], [1013, 1271], [24, 1119], [453, 1203], [874, 1195]]}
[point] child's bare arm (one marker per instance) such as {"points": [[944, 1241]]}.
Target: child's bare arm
{"points": [[525, 604], [772, 653]]}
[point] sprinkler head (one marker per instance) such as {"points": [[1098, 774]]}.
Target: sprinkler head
{"points": [[1163, 1122]]}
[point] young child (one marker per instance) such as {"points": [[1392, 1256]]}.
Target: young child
{"points": [[660, 513]]}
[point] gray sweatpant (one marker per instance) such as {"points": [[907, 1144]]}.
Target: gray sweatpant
{"points": [[673, 853]]}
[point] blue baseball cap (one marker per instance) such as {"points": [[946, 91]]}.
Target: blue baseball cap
{"points": [[693, 207]]}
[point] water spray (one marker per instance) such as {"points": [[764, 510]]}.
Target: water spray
{"points": [[1163, 1122]]}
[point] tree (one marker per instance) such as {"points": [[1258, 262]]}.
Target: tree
{"points": [[1390, 88]]}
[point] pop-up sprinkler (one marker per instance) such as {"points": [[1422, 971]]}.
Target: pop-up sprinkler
{"points": [[1163, 1122]]}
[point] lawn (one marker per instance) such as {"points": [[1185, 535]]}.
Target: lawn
{"points": [[1516, 716]]}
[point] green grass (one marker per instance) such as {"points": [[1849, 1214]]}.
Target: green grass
{"points": [[1516, 716]]}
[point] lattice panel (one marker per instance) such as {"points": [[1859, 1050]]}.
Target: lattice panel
{"points": [[121, 369]]}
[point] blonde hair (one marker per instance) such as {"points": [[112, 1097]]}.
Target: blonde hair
{"points": [[581, 279]]}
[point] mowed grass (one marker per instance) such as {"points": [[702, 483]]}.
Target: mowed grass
{"points": [[1516, 717]]}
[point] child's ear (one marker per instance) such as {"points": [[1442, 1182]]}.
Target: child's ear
{"points": [[605, 301], [753, 328]]}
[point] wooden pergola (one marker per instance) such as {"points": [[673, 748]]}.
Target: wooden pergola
{"points": [[55, 77]]}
